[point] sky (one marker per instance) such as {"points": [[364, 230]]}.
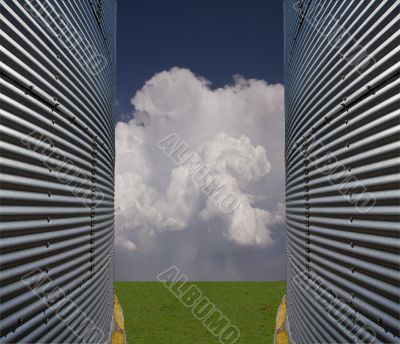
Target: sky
{"points": [[200, 110], [213, 38]]}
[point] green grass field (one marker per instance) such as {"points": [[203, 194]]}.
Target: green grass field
{"points": [[153, 315]]}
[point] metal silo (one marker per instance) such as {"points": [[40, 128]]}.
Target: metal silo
{"points": [[57, 170], [342, 171]]}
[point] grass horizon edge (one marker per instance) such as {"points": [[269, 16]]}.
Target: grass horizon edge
{"points": [[154, 315]]}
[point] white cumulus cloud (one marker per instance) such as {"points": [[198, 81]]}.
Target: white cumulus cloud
{"points": [[237, 133]]}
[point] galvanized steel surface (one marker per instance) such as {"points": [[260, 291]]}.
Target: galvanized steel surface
{"points": [[57, 170], [342, 170]]}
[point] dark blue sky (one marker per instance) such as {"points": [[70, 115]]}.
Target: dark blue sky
{"points": [[214, 38]]}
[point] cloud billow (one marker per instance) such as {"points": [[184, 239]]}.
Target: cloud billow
{"points": [[237, 133]]}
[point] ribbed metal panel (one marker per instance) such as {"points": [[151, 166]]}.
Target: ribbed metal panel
{"points": [[57, 170], [342, 170]]}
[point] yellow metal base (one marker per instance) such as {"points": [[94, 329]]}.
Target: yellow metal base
{"points": [[281, 336], [118, 336]]}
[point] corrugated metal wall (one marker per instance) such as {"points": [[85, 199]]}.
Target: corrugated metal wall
{"points": [[57, 170], [342, 170]]}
